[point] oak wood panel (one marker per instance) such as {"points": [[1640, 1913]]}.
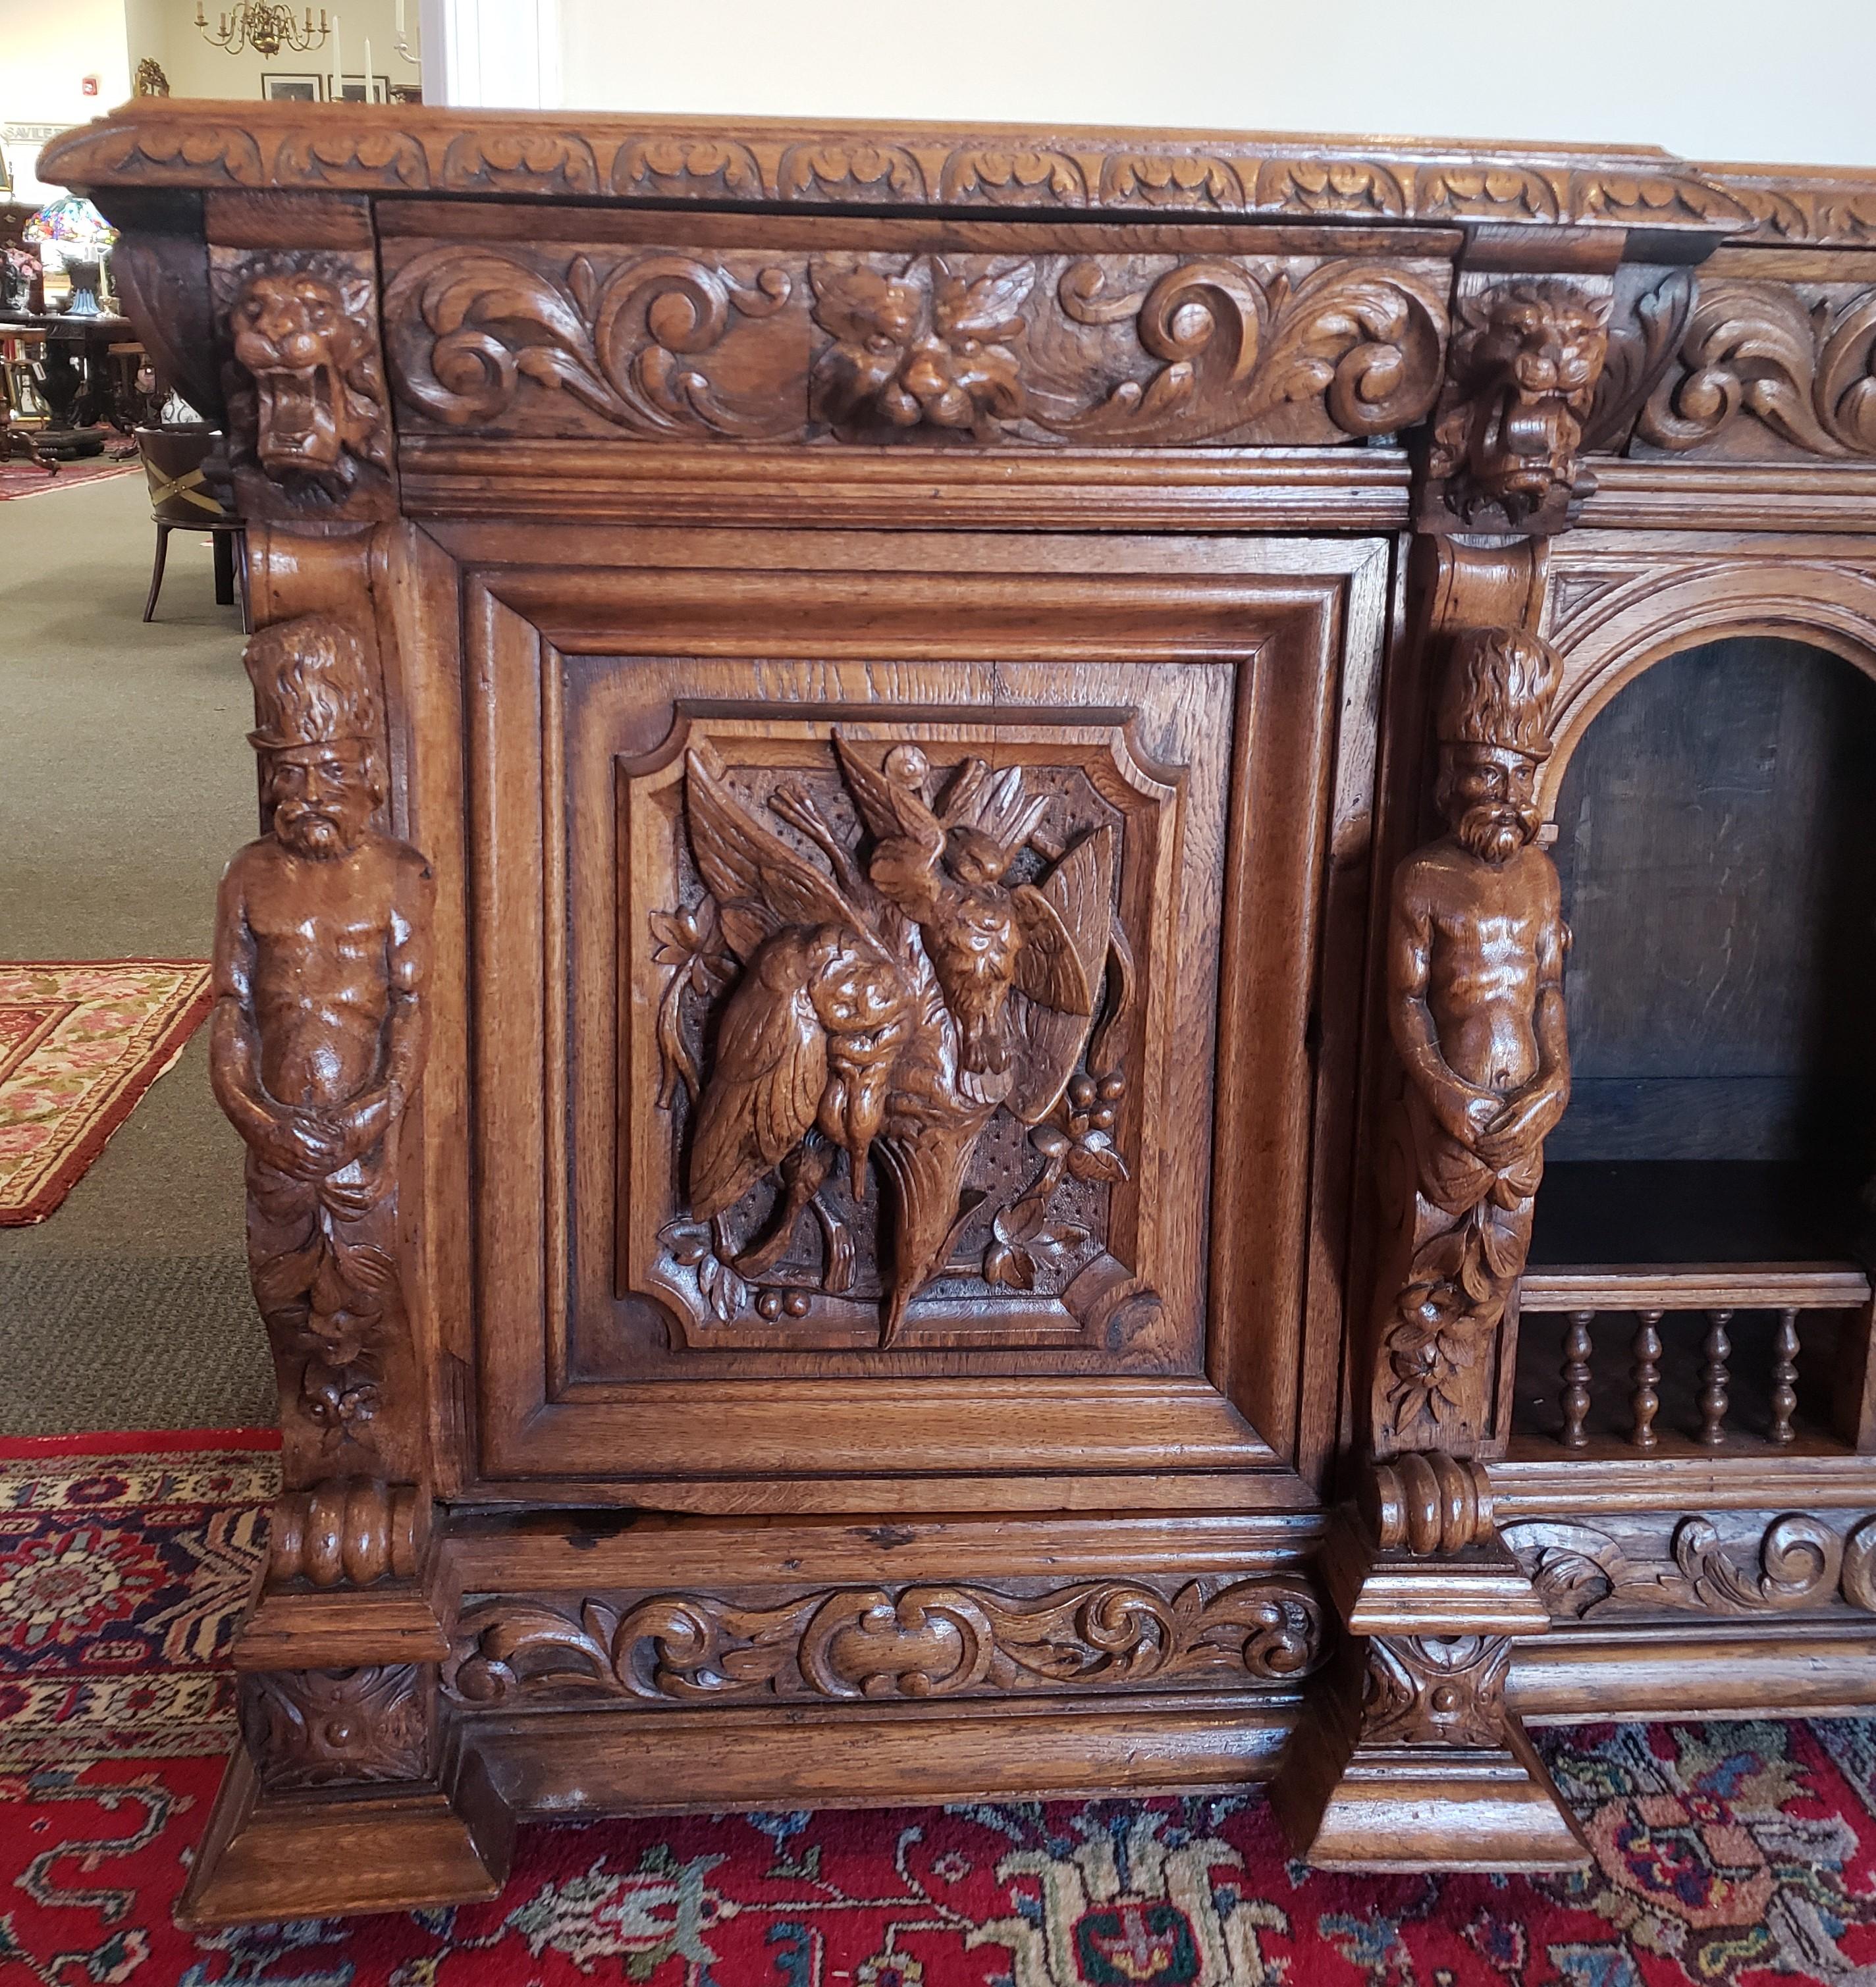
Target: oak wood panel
{"points": [[676, 1763]]}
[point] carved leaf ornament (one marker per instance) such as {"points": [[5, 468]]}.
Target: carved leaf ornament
{"points": [[617, 343], [1809, 373], [1800, 1563]]}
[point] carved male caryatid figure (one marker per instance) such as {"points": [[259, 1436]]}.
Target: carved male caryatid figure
{"points": [[322, 942], [1475, 968]]}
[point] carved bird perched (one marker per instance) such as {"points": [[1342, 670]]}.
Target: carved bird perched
{"points": [[873, 1012], [946, 872]]}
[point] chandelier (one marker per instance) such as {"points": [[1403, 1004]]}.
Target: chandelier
{"points": [[264, 27]]}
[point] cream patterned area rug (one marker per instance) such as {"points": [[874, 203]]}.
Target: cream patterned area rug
{"points": [[80, 1042]]}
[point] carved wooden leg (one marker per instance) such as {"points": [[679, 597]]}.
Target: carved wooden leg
{"points": [[1408, 1757], [345, 1795]]}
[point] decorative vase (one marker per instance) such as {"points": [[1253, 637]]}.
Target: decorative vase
{"points": [[84, 275]]}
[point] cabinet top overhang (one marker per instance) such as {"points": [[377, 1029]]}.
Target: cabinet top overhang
{"points": [[208, 145]]}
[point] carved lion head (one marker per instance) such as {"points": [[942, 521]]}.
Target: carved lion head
{"points": [[319, 401]]}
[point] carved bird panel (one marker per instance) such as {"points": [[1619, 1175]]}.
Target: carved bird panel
{"points": [[895, 991]]}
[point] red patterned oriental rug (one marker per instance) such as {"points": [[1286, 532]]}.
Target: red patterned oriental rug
{"points": [[20, 478], [80, 1042], [1742, 1854]]}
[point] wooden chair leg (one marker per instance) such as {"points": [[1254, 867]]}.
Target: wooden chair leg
{"points": [[156, 571], [224, 568], [240, 537]]}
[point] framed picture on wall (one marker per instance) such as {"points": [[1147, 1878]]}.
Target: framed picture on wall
{"points": [[279, 89], [352, 89]]}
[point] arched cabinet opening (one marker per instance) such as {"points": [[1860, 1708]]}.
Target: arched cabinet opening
{"points": [[1696, 1269]]}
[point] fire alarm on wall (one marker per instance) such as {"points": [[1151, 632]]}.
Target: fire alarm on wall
{"points": [[90, 85]]}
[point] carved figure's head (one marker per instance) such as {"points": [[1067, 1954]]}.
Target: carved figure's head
{"points": [[320, 405], [1529, 364], [1494, 726], [927, 347], [319, 730]]}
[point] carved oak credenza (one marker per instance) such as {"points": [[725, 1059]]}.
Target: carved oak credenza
{"points": [[951, 820]]}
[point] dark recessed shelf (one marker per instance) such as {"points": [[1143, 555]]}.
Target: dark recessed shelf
{"points": [[1666, 1211]]}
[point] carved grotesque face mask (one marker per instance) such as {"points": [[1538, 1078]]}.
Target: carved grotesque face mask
{"points": [[291, 335], [323, 796], [1485, 794]]}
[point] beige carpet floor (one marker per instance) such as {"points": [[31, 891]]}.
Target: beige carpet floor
{"points": [[126, 783]]}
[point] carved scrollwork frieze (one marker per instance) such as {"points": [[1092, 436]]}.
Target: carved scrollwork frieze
{"points": [[867, 1642], [1771, 368], [1797, 1562], [1040, 350], [633, 341]]}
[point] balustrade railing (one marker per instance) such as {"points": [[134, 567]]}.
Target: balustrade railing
{"points": [[1735, 1369]]}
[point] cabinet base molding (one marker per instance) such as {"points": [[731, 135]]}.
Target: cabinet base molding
{"points": [[333, 1854], [1400, 1808]]}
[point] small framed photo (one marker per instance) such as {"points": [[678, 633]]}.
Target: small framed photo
{"points": [[406, 93], [279, 89], [354, 89]]}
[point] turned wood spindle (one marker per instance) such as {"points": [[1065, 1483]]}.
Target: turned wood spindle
{"points": [[1784, 1377], [1645, 1396], [1577, 1350], [1716, 1349]]}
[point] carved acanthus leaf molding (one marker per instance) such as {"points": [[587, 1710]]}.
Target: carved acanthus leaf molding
{"points": [[1641, 346], [874, 1642], [468, 325], [433, 149], [1801, 359], [1799, 1562], [1235, 346]]}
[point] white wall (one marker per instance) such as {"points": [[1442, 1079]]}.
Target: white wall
{"points": [[195, 67], [47, 48], [1719, 79]]}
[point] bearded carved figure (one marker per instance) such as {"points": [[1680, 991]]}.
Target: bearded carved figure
{"points": [[302, 332], [928, 347], [321, 1022], [1523, 375], [872, 1006], [1475, 978]]}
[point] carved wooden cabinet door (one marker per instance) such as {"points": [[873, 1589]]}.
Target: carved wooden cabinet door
{"points": [[897, 967]]}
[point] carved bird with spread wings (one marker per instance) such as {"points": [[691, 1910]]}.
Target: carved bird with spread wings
{"points": [[873, 1016]]}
